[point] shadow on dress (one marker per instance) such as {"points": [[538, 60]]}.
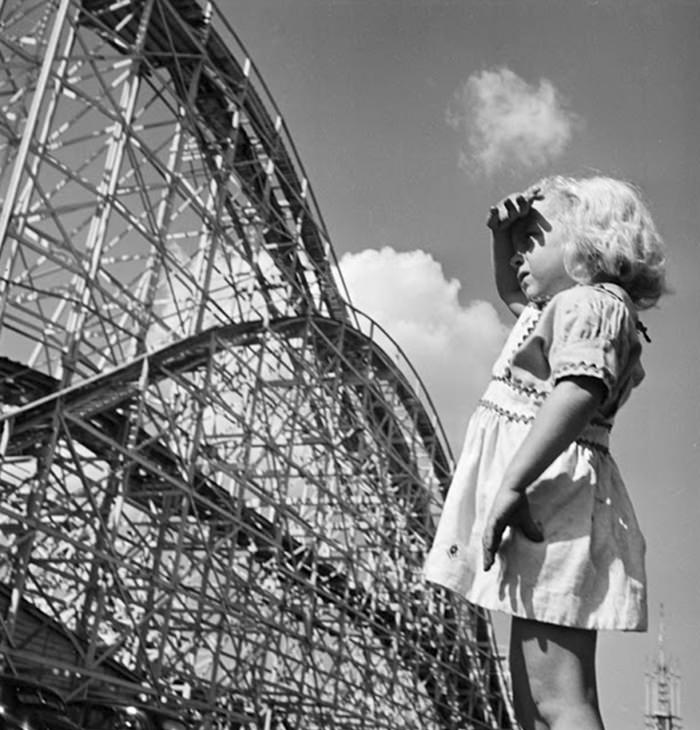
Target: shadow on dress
{"points": [[588, 563]]}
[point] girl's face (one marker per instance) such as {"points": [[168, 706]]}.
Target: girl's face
{"points": [[538, 258]]}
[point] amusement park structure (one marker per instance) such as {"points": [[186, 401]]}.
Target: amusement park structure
{"points": [[219, 479], [663, 689]]}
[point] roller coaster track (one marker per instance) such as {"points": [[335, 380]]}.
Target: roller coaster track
{"points": [[219, 478]]}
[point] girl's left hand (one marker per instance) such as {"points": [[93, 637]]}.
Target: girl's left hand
{"points": [[510, 509]]}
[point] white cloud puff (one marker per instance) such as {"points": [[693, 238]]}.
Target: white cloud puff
{"points": [[451, 346], [507, 121]]}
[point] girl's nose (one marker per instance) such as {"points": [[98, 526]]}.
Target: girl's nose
{"points": [[516, 260]]}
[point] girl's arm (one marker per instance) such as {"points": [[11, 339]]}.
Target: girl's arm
{"points": [[566, 412], [501, 218]]}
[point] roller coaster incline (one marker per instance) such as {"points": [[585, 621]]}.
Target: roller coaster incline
{"points": [[218, 486]]}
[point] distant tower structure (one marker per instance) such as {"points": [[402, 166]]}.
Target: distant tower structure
{"points": [[663, 690]]}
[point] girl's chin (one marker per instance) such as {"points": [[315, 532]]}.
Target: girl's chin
{"points": [[540, 294]]}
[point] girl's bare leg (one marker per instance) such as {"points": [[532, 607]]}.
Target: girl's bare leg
{"points": [[554, 682]]}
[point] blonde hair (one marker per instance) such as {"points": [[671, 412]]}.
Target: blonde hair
{"points": [[611, 235]]}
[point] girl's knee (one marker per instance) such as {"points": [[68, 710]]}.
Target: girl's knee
{"points": [[564, 699], [558, 714], [558, 666]]}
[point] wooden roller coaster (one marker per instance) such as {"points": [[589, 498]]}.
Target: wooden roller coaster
{"points": [[219, 480]]}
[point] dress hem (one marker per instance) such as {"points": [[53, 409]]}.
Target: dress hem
{"points": [[638, 627]]}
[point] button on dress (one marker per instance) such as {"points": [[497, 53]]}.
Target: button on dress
{"points": [[589, 570]]}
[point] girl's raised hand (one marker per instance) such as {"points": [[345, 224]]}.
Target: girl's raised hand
{"points": [[512, 208]]}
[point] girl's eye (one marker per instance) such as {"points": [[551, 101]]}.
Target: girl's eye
{"points": [[533, 238]]}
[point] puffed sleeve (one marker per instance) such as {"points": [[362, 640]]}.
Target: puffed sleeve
{"points": [[585, 330]]}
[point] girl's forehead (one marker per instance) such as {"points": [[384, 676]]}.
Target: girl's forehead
{"points": [[547, 213], [549, 207]]}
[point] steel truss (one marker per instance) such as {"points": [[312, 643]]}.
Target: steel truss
{"points": [[218, 486]]}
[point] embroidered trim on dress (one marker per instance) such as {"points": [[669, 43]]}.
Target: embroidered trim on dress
{"points": [[500, 411], [522, 418], [531, 390], [529, 330], [585, 367], [519, 386]]}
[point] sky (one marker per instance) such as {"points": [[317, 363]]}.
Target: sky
{"points": [[412, 118]]}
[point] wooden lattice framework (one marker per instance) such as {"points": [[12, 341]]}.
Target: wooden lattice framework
{"points": [[218, 479]]}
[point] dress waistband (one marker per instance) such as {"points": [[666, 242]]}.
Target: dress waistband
{"points": [[520, 404]]}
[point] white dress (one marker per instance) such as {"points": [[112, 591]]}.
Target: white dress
{"points": [[589, 571]]}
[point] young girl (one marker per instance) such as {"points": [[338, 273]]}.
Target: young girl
{"points": [[537, 521]]}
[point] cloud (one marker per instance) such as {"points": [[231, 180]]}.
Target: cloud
{"points": [[451, 346], [507, 121]]}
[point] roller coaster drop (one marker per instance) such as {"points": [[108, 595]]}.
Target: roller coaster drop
{"points": [[217, 486]]}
